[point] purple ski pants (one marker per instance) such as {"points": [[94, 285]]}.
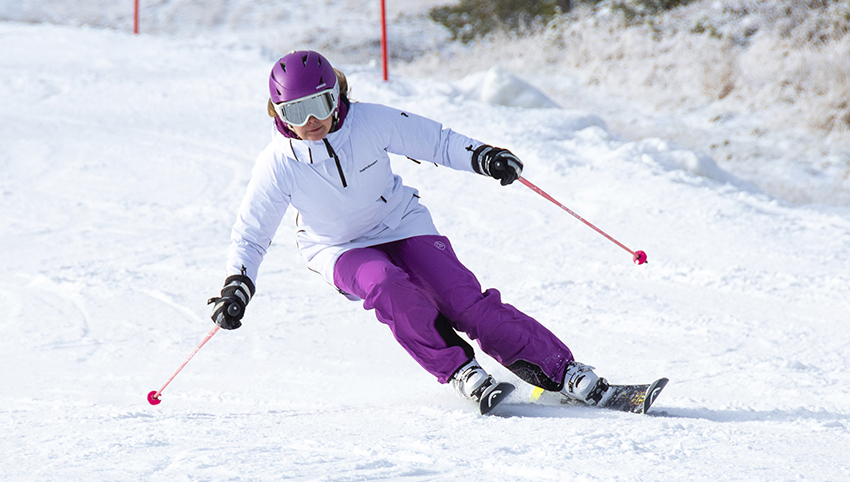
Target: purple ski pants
{"points": [[419, 288]]}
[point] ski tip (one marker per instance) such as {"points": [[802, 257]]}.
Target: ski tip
{"points": [[493, 396], [652, 393]]}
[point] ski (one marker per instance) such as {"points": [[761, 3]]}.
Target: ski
{"points": [[632, 398], [493, 396], [623, 398]]}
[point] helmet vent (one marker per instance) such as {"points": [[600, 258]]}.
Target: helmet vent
{"points": [[304, 60], [283, 66]]}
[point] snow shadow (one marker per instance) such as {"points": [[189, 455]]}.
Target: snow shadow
{"points": [[828, 419]]}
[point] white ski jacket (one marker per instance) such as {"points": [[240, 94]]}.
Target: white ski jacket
{"points": [[343, 188]]}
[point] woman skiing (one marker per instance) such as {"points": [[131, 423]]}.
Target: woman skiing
{"points": [[367, 234]]}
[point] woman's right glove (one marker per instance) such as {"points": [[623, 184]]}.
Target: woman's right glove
{"points": [[229, 308]]}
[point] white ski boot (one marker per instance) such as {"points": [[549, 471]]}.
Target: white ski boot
{"points": [[580, 383], [473, 383]]}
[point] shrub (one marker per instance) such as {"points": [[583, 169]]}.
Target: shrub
{"points": [[636, 11], [471, 19]]}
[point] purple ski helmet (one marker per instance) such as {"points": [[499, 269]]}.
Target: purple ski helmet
{"points": [[302, 74]]}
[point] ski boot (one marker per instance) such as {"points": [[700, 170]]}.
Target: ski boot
{"points": [[580, 383], [473, 383]]}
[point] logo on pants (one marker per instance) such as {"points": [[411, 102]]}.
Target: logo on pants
{"points": [[440, 245]]}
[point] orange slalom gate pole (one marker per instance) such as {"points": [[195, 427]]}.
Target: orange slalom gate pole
{"points": [[136, 17]]}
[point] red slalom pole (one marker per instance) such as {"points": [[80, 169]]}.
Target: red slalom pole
{"points": [[136, 17], [384, 38], [153, 397], [639, 257]]}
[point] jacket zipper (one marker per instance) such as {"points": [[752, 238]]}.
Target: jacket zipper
{"points": [[331, 152]]}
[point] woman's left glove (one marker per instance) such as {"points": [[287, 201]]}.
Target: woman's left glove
{"points": [[229, 308], [496, 162]]}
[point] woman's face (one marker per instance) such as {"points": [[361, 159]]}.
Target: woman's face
{"points": [[314, 129]]}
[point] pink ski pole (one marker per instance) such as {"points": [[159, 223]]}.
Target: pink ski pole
{"points": [[153, 397], [639, 257]]}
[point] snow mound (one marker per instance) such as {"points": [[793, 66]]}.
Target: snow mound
{"points": [[670, 157], [498, 87]]}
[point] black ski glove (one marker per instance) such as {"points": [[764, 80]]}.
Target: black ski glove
{"points": [[496, 162], [229, 308]]}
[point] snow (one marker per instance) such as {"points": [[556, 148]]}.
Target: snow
{"points": [[124, 159], [503, 88]]}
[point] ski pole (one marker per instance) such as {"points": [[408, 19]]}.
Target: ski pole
{"points": [[639, 257], [153, 397]]}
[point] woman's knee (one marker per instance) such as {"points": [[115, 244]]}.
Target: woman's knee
{"points": [[469, 308], [378, 274]]}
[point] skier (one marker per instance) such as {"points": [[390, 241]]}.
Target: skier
{"points": [[367, 234]]}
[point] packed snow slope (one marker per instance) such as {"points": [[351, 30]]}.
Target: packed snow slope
{"points": [[124, 158]]}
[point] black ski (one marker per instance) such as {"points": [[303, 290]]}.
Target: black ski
{"points": [[493, 396], [623, 398]]}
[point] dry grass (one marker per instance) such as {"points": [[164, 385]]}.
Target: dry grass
{"points": [[785, 64]]}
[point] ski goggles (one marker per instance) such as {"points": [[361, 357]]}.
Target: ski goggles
{"points": [[320, 105]]}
